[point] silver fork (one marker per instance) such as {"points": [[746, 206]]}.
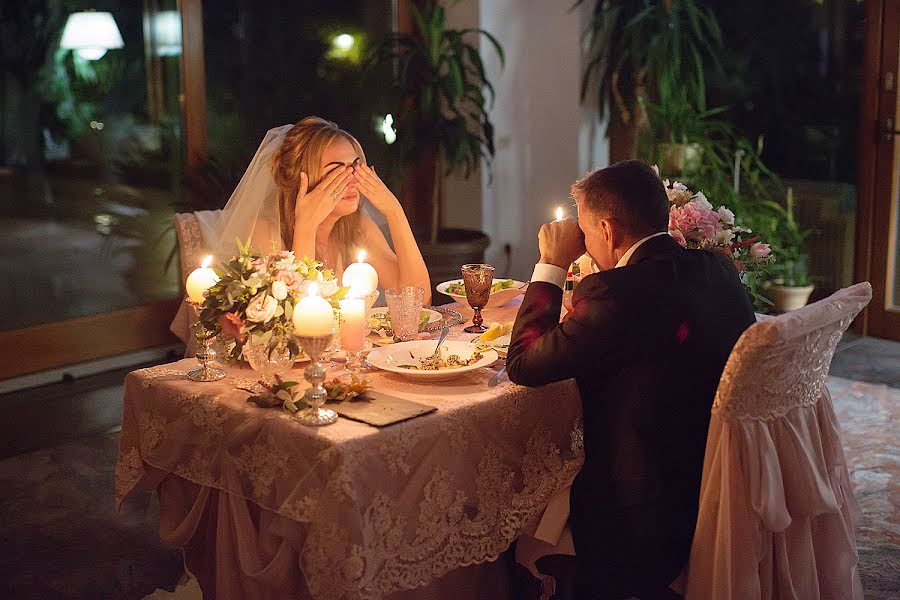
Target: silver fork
{"points": [[437, 351], [496, 378]]}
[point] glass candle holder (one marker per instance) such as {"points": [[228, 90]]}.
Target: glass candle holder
{"points": [[315, 396], [205, 352]]}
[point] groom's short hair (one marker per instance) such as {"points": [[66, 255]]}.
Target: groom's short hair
{"points": [[628, 192]]}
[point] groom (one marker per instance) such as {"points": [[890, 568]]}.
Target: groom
{"points": [[646, 342]]}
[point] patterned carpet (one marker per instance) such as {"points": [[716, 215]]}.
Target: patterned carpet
{"points": [[59, 536], [870, 420]]}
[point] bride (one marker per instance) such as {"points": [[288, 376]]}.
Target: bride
{"points": [[301, 192]]}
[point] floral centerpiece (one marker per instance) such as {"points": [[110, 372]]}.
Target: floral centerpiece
{"points": [[694, 224], [253, 301]]}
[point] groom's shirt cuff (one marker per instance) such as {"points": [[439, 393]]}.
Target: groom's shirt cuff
{"points": [[550, 274]]}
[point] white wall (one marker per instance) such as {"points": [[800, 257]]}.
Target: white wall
{"points": [[544, 138]]}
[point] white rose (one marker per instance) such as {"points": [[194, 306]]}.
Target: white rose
{"points": [[724, 237], [261, 308], [700, 200], [329, 288], [279, 290], [726, 216]]}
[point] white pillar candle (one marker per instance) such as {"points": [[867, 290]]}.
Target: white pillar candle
{"points": [[360, 277], [353, 324], [313, 316], [200, 280]]}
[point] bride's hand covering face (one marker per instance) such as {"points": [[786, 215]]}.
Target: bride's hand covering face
{"points": [[302, 192]]}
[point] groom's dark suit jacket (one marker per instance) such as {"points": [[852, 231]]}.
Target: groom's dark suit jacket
{"points": [[647, 344]]}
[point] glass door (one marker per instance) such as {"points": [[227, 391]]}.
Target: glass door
{"points": [[878, 253], [91, 170]]}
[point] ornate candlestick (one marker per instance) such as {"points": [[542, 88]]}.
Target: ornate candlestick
{"points": [[314, 414], [205, 352]]}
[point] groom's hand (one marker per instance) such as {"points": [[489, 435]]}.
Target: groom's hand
{"points": [[561, 243]]}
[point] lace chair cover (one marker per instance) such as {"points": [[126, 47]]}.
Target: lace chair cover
{"points": [[192, 249], [777, 513]]}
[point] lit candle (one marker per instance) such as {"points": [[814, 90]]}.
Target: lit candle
{"points": [[353, 324], [559, 213], [360, 277], [313, 315], [200, 280]]}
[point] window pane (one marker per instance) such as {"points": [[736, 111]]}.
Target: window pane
{"points": [[90, 159], [270, 64]]}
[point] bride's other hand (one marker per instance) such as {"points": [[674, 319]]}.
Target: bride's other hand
{"points": [[314, 206], [375, 190]]}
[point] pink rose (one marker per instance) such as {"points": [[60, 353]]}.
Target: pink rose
{"points": [[679, 237], [760, 250], [292, 279], [259, 265], [695, 222]]}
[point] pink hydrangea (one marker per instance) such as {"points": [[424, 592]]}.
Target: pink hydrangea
{"points": [[679, 237], [695, 222]]}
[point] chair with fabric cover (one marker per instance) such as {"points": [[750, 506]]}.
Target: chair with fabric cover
{"points": [[192, 249], [777, 514]]}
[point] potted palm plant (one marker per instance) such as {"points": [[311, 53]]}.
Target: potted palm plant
{"points": [[440, 84], [646, 50], [790, 287]]}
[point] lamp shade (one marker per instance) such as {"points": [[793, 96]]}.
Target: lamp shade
{"points": [[166, 26], [91, 34]]}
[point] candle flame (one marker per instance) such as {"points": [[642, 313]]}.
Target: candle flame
{"points": [[206, 261], [559, 213], [313, 290], [361, 257]]}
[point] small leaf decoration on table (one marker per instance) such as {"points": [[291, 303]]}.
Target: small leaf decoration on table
{"points": [[281, 392], [338, 391]]}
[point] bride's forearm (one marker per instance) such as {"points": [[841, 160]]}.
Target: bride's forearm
{"points": [[304, 243], [410, 265]]}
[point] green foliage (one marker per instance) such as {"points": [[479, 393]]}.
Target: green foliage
{"points": [[441, 87], [661, 44]]}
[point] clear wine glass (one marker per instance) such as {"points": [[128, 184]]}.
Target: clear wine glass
{"points": [[477, 279]]}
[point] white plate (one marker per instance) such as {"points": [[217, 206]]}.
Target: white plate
{"points": [[498, 298], [501, 344], [388, 358]]}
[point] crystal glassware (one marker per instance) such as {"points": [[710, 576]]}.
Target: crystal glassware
{"points": [[314, 414], [405, 308], [477, 279], [269, 361], [205, 352], [353, 330]]}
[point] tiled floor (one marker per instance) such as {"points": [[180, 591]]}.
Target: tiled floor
{"points": [[60, 538]]}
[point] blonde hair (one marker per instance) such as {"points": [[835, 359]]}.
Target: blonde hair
{"points": [[301, 152]]}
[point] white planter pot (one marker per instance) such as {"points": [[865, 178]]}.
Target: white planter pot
{"points": [[788, 298]]}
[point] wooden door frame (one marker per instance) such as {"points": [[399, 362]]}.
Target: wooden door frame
{"points": [[876, 164]]}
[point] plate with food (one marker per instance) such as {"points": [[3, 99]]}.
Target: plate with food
{"points": [[502, 291], [413, 359]]}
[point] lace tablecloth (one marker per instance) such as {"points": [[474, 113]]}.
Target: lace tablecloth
{"points": [[350, 510]]}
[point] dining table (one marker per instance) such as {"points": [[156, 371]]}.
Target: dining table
{"points": [[266, 507]]}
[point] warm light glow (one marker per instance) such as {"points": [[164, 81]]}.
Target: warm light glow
{"points": [[200, 280], [91, 34], [360, 277], [387, 130], [361, 257], [206, 261], [559, 213], [166, 27], [343, 42], [313, 290]]}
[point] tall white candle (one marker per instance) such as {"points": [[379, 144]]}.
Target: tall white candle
{"points": [[360, 277], [200, 280], [353, 324], [313, 316]]}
